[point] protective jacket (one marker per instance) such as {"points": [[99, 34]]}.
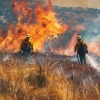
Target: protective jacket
{"points": [[80, 47], [26, 46]]}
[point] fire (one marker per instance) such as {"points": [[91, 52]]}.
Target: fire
{"points": [[40, 23], [94, 47], [69, 49]]}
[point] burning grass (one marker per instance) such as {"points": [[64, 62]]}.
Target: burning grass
{"points": [[40, 22], [65, 82]]}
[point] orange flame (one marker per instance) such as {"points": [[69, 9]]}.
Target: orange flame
{"points": [[43, 25], [70, 46], [69, 49], [94, 48]]}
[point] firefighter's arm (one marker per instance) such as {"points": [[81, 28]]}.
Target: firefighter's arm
{"points": [[21, 45], [31, 46], [85, 45]]}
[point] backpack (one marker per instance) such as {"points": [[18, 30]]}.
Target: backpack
{"points": [[82, 49], [26, 46]]}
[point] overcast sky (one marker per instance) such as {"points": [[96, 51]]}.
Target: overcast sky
{"points": [[77, 3], [64, 3]]}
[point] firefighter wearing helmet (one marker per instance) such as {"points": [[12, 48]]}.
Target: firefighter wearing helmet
{"points": [[81, 49], [26, 46]]}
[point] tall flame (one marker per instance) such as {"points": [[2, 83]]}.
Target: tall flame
{"points": [[70, 46], [69, 49], [93, 47], [40, 23]]}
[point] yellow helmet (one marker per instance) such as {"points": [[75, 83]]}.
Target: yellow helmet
{"points": [[79, 37], [28, 36]]}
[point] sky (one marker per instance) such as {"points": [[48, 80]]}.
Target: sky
{"points": [[64, 3], [77, 3]]}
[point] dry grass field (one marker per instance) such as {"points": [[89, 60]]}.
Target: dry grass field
{"points": [[57, 80]]}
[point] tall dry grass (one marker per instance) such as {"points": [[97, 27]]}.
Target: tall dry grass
{"points": [[26, 82]]}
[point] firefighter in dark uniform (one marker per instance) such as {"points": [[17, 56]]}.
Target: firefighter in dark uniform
{"points": [[26, 46], [81, 49]]}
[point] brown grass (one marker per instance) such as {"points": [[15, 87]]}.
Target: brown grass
{"points": [[25, 82]]}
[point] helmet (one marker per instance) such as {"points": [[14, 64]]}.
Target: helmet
{"points": [[79, 38], [28, 36]]}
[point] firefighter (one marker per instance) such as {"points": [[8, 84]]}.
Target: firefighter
{"points": [[26, 46], [81, 49]]}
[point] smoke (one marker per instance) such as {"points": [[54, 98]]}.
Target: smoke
{"points": [[6, 57], [88, 27], [43, 2], [83, 22], [92, 38], [4, 4], [93, 63], [73, 58]]}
